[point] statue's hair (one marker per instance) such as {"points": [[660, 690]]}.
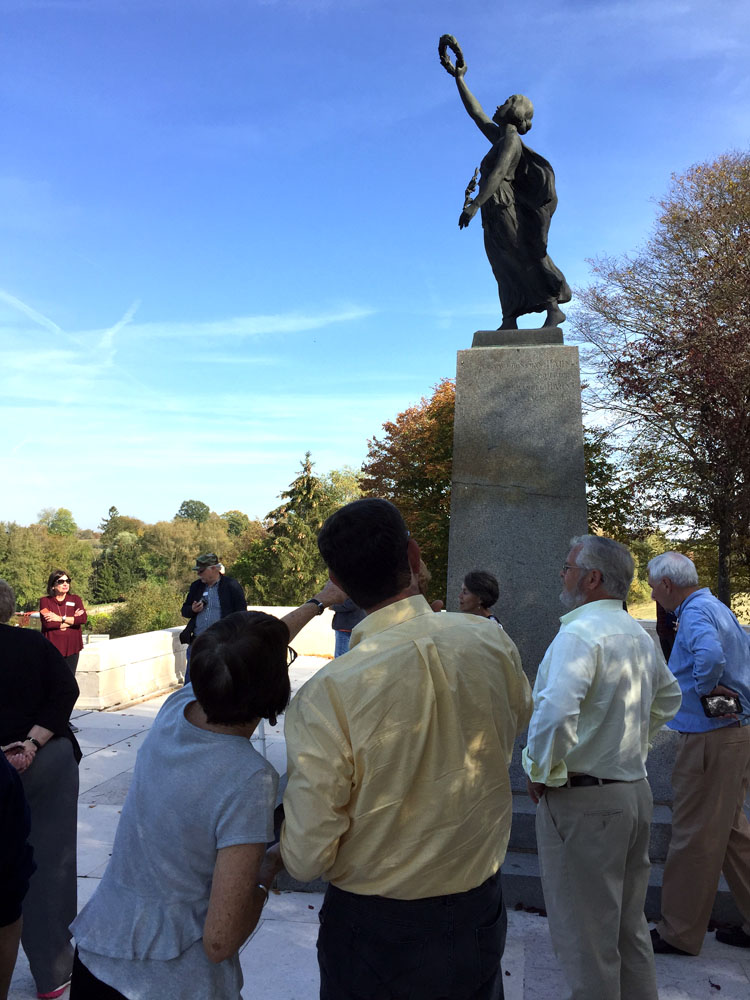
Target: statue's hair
{"points": [[676, 567], [520, 111]]}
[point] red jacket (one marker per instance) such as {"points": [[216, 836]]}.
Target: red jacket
{"points": [[68, 640]]}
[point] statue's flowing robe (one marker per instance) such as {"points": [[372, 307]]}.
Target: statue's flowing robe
{"points": [[516, 220]]}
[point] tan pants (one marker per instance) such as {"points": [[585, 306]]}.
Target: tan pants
{"points": [[593, 853], [710, 833]]}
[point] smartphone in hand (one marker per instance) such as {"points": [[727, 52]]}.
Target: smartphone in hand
{"points": [[716, 706]]}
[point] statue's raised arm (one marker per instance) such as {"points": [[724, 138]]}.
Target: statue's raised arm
{"points": [[517, 198], [472, 105]]}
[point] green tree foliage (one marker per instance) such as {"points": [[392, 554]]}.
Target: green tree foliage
{"points": [[148, 606], [169, 549], [118, 569], [237, 522], [411, 466], [29, 554], [343, 486], [285, 567], [193, 510], [114, 523], [24, 563], [57, 521], [668, 329], [609, 496]]}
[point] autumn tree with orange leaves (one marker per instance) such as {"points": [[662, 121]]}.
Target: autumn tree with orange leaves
{"points": [[410, 465], [669, 336]]}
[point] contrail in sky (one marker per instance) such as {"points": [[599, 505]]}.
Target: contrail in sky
{"points": [[28, 311]]}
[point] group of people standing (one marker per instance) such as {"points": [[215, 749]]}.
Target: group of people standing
{"points": [[399, 793]]}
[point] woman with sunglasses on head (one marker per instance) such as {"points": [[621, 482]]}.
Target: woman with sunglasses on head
{"points": [[188, 876], [62, 615]]}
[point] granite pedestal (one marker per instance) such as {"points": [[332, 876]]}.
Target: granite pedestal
{"points": [[519, 491]]}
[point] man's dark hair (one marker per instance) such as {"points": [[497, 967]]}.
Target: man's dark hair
{"points": [[484, 586], [364, 546], [238, 668]]}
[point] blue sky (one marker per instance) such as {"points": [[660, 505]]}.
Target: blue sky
{"points": [[228, 228]]}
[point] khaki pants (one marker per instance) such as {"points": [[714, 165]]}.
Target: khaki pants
{"points": [[710, 833], [593, 852]]}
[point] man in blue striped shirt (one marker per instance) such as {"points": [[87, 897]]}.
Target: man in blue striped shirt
{"points": [[710, 832]]}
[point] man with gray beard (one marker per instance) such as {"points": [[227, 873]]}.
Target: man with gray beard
{"points": [[602, 691]]}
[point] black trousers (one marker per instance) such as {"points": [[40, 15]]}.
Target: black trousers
{"points": [[72, 662], [50, 906], [440, 948], [85, 985]]}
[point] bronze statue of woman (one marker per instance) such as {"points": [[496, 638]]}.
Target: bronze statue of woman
{"points": [[517, 198]]}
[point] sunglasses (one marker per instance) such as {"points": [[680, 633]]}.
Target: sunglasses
{"points": [[62, 579]]}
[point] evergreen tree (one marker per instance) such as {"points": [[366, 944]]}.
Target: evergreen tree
{"points": [[285, 567], [118, 569]]}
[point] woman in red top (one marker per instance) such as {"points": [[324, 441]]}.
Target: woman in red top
{"points": [[63, 614]]}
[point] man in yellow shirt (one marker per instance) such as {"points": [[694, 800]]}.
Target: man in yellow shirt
{"points": [[602, 691], [398, 792]]}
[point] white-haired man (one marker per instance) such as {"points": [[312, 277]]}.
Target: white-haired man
{"points": [[602, 691], [710, 832]]}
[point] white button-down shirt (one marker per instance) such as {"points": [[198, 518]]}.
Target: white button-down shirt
{"points": [[602, 692]]}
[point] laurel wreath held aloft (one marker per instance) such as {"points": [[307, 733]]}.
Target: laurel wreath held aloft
{"points": [[449, 42]]}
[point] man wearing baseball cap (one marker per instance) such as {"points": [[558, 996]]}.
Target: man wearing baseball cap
{"points": [[211, 597]]}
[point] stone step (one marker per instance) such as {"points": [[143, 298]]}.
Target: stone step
{"points": [[523, 830], [522, 887]]}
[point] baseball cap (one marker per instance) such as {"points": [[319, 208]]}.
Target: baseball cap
{"points": [[204, 561]]}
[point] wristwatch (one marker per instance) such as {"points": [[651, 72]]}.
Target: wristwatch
{"points": [[30, 739], [321, 607]]}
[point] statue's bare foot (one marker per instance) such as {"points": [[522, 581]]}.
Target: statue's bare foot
{"points": [[509, 323], [555, 315]]}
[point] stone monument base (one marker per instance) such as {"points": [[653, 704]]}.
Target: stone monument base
{"points": [[543, 337], [518, 490]]}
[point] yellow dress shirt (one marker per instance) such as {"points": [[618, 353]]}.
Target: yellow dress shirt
{"points": [[398, 756], [602, 692]]}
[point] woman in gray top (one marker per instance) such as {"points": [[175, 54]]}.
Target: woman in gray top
{"points": [[187, 879]]}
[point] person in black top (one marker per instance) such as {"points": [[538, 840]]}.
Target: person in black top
{"points": [[37, 695], [666, 629], [211, 597]]}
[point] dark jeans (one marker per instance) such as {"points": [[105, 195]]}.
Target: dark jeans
{"points": [[85, 985], [72, 662], [441, 948]]}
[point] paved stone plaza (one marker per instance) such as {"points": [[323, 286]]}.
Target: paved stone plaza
{"points": [[279, 961]]}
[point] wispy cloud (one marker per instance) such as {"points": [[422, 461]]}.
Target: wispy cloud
{"points": [[104, 351], [250, 326], [212, 358], [29, 311]]}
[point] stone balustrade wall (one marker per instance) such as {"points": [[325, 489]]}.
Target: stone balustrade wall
{"points": [[122, 671]]}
